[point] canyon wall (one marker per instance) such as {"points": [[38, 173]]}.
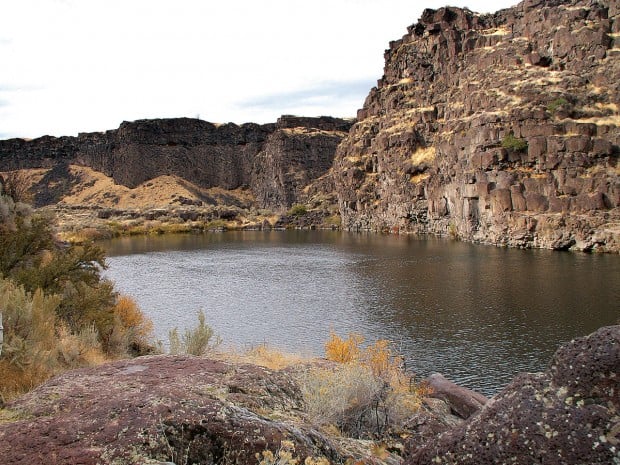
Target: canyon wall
{"points": [[499, 128], [275, 161]]}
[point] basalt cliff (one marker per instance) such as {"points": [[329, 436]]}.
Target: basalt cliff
{"points": [[273, 161], [500, 128]]}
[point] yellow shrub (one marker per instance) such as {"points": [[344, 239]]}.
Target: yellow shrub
{"points": [[381, 360], [343, 350], [370, 394], [132, 329], [377, 356]]}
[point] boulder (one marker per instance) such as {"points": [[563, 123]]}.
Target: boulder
{"points": [[159, 409], [566, 415]]}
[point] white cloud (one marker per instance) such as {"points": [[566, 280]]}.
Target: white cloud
{"points": [[71, 66]]}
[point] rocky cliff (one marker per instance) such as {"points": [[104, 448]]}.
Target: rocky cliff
{"points": [[501, 128], [276, 161], [298, 152]]}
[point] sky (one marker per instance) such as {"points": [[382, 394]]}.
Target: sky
{"points": [[70, 66]]}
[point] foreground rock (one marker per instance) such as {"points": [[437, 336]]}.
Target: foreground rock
{"points": [[195, 410], [569, 414], [500, 128], [158, 409]]}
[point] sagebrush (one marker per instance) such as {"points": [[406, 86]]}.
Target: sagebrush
{"points": [[367, 393], [58, 311], [196, 341]]}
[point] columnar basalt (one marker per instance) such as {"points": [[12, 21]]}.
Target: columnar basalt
{"points": [[274, 161], [500, 128]]}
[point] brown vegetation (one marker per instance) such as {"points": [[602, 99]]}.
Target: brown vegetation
{"points": [[366, 394]]}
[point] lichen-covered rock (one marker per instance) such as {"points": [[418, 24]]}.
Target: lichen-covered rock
{"points": [[568, 415], [157, 409], [500, 128]]}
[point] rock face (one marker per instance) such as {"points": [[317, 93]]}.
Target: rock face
{"points": [[566, 415], [159, 409], [500, 129], [275, 161], [298, 152]]}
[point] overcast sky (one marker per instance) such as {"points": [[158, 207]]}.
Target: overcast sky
{"points": [[70, 66]]}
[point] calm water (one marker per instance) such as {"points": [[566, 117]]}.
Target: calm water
{"points": [[477, 314]]}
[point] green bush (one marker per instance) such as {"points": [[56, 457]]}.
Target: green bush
{"points": [[58, 311], [556, 104], [196, 341], [297, 210], [31, 257], [511, 142]]}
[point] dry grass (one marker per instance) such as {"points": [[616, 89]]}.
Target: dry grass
{"points": [[265, 356], [94, 188], [423, 155], [365, 394], [500, 31], [311, 132], [418, 178], [613, 120]]}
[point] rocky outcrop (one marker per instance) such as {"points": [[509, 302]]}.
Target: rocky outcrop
{"points": [[567, 415], [201, 152], [298, 152], [275, 161], [500, 129], [160, 409]]}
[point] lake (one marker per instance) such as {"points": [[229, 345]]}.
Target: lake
{"points": [[477, 314]]}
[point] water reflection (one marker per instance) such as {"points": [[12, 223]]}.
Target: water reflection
{"points": [[477, 314]]}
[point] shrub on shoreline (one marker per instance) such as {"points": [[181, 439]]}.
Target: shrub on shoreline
{"points": [[199, 340], [58, 311], [366, 394]]}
